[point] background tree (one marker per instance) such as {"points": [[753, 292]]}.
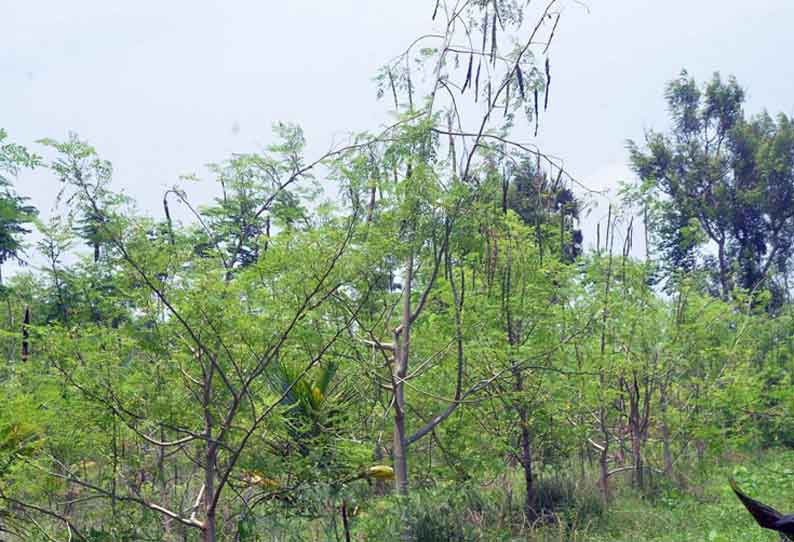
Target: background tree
{"points": [[720, 182], [14, 212], [85, 189], [549, 206]]}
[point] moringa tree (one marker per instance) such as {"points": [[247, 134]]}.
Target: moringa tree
{"points": [[487, 49]]}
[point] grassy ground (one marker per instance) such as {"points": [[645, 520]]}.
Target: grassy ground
{"points": [[699, 507], [706, 510]]}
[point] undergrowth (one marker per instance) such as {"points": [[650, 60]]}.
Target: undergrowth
{"points": [[699, 506]]}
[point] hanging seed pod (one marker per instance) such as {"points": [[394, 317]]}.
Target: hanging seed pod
{"points": [[26, 334], [558, 180], [468, 74], [168, 220], [453, 158], [505, 187], [520, 78], [489, 94], [477, 81], [507, 96], [435, 11], [496, 12], [410, 90], [493, 41], [548, 83], [598, 237], [484, 30], [393, 89], [536, 114]]}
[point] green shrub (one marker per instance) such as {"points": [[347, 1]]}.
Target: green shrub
{"points": [[561, 498]]}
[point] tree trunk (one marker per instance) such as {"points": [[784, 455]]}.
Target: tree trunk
{"points": [[602, 412], [620, 455], [700, 448], [635, 434], [400, 459], [402, 341], [526, 449], [636, 455], [371, 204], [665, 429], [526, 462], [209, 481], [603, 462], [210, 458], [724, 280], [345, 522]]}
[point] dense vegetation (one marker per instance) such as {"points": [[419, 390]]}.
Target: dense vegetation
{"points": [[406, 338]]}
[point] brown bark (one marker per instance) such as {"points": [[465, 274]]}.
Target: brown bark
{"points": [[402, 343], [526, 451], [345, 522], [639, 390], [665, 430], [602, 412], [636, 454], [371, 204], [724, 279], [209, 534], [603, 464]]}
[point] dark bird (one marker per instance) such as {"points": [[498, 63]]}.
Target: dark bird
{"points": [[766, 516]]}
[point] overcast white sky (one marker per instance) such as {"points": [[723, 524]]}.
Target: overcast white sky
{"points": [[163, 87]]}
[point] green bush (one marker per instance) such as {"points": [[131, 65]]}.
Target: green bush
{"points": [[561, 498]]}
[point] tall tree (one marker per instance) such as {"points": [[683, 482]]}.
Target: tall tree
{"points": [[442, 161], [15, 213], [719, 187], [546, 205], [85, 189]]}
